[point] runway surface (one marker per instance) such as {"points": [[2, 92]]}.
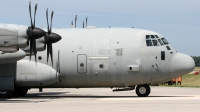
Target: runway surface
{"points": [[162, 99]]}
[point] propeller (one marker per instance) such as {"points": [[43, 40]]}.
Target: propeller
{"points": [[34, 33], [50, 37]]}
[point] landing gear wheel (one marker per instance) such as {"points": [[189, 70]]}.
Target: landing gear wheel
{"points": [[6, 94], [143, 90], [20, 92]]}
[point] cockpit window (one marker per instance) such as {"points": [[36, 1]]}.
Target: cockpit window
{"points": [[156, 36], [153, 40], [155, 43], [147, 37], [152, 36], [149, 43], [161, 42], [164, 41]]}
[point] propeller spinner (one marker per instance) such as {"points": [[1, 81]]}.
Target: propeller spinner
{"points": [[50, 38], [34, 33]]}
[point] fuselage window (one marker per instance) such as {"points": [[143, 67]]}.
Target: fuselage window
{"points": [[149, 43], [162, 55], [168, 47], [164, 41]]}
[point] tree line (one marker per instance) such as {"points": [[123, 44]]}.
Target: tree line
{"points": [[196, 60]]}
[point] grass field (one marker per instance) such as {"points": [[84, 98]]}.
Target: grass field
{"points": [[191, 80], [197, 68]]}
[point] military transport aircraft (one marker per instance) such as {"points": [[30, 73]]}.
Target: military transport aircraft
{"points": [[120, 58]]}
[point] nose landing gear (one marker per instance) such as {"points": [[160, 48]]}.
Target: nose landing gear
{"points": [[143, 90]]}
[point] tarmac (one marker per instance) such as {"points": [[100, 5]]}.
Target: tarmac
{"points": [[162, 99]]}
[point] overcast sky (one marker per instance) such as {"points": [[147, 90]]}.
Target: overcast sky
{"points": [[177, 20]]}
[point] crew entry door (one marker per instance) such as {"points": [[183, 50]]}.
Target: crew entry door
{"points": [[82, 63]]}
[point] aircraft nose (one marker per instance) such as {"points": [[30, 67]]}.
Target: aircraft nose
{"points": [[181, 64]]}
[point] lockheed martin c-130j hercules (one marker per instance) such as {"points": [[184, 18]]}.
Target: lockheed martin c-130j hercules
{"points": [[125, 58]]}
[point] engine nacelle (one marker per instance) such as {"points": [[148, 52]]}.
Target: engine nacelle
{"points": [[31, 75], [9, 49], [11, 57], [13, 35]]}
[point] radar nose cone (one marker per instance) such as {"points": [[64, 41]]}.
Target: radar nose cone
{"points": [[181, 64]]}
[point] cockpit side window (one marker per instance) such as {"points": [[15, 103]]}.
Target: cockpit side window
{"points": [[168, 48], [149, 43], [148, 40], [164, 41]]}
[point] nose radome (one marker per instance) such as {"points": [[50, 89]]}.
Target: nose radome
{"points": [[181, 64]]}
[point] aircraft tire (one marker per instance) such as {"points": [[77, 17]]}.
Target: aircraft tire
{"points": [[143, 90], [20, 92], [6, 94]]}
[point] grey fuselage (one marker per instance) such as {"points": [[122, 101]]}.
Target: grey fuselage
{"points": [[111, 57]]}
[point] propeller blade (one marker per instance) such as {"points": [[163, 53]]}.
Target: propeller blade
{"points": [[35, 14], [59, 61], [35, 51], [30, 14], [75, 20], [86, 21], [48, 48], [72, 22], [31, 47], [47, 21], [51, 20], [58, 66], [83, 24], [51, 53]]}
